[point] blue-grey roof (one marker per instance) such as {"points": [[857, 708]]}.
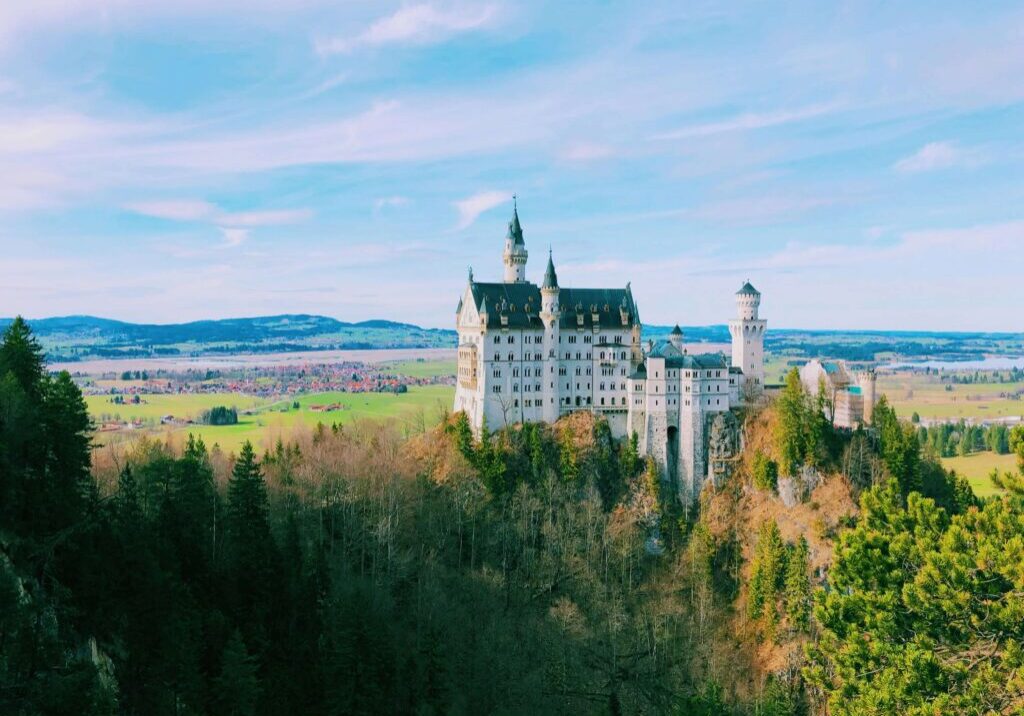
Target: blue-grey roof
{"points": [[550, 277], [748, 290], [520, 303], [515, 231], [675, 359]]}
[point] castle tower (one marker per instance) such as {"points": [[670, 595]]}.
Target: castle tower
{"points": [[866, 381], [550, 315], [747, 331], [515, 250], [676, 338]]}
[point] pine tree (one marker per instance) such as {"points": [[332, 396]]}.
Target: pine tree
{"points": [[798, 587], [22, 357], [767, 574], [237, 689], [790, 435]]}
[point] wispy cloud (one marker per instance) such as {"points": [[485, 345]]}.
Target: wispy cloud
{"points": [[200, 210], [751, 121], [413, 24], [936, 155], [471, 207], [234, 236], [175, 209]]}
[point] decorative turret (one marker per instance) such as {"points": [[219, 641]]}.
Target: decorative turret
{"points": [[676, 338], [483, 310], [515, 254], [550, 316]]}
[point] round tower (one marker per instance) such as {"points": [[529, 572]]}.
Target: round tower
{"points": [[515, 253], [550, 315], [747, 331]]}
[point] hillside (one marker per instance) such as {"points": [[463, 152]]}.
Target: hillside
{"points": [[70, 338]]}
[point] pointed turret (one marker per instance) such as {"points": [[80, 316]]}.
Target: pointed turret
{"points": [[515, 250], [550, 277], [515, 231]]}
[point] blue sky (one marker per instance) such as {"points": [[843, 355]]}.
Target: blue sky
{"points": [[861, 163]]}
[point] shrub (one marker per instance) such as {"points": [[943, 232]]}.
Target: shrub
{"points": [[766, 472]]}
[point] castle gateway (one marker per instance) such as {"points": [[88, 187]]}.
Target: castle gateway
{"points": [[530, 353]]}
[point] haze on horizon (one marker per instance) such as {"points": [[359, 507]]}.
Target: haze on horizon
{"points": [[166, 161]]}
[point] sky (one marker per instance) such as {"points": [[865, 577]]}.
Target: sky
{"points": [[861, 163]]}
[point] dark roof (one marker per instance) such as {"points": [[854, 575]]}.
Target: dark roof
{"points": [[550, 277], [520, 303], [677, 331], [640, 372], [748, 290]]}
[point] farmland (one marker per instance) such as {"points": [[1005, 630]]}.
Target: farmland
{"points": [[263, 421], [933, 399]]}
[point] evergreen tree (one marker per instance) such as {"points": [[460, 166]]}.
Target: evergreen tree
{"points": [[798, 587], [790, 436], [237, 688]]}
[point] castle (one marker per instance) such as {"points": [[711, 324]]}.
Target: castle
{"points": [[850, 395], [530, 353]]}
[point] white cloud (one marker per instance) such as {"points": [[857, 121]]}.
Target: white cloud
{"points": [[471, 207], [233, 236], [413, 24], [934, 155]]}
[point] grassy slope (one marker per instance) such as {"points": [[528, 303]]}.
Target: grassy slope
{"points": [[977, 467]]}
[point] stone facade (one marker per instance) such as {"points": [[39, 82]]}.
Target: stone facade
{"points": [[850, 396], [530, 353]]}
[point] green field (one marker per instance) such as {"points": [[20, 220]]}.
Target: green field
{"points": [[421, 405], [422, 368], [977, 468]]}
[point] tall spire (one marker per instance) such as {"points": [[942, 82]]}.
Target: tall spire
{"points": [[550, 277], [515, 231]]}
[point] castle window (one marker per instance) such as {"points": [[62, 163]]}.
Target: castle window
{"points": [[515, 403], [602, 401], [497, 339], [511, 339]]}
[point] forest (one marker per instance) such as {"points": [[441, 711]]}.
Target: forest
{"points": [[536, 569]]}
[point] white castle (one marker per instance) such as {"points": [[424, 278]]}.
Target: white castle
{"points": [[530, 353]]}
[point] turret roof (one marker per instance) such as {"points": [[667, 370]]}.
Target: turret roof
{"points": [[550, 277], [515, 231], [677, 331], [748, 290]]}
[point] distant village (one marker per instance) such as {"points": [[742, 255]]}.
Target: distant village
{"points": [[266, 382]]}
